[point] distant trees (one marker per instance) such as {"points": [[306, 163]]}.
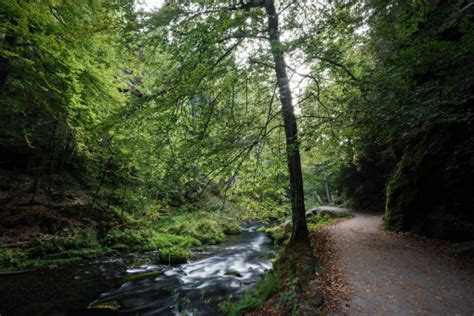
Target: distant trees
{"points": [[399, 118]]}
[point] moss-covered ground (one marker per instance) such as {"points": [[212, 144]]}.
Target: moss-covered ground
{"points": [[173, 237]]}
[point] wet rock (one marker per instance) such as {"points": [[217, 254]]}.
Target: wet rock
{"points": [[234, 273], [111, 305], [139, 276]]}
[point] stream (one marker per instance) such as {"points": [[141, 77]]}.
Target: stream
{"points": [[139, 285]]}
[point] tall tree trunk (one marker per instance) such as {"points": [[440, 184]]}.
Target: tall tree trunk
{"points": [[300, 230]]}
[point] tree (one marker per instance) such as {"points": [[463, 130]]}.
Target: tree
{"points": [[299, 229], [60, 72], [219, 30]]}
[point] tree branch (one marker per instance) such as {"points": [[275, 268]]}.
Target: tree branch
{"points": [[337, 64]]}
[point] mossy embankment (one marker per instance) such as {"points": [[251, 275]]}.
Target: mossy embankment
{"points": [[174, 235], [65, 228]]}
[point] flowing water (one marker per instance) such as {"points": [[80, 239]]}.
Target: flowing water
{"points": [[137, 285]]}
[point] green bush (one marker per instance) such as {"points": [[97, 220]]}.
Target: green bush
{"points": [[246, 303], [11, 258], [268, 285], [87, 238], [127, 238], [230, 226]]}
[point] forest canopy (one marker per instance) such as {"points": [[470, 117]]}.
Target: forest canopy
{"points": [[222, 106]]}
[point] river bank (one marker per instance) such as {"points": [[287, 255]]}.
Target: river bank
{"points": [[141, 284], [58, 229]]}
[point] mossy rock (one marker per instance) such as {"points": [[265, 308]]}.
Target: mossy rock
{"points": [[234, 273], [278, 233], [175, 255], [144, 275], [230, 226], [401, 195], [111, 305], [430, 191]]}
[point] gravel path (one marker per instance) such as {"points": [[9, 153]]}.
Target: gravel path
{"points": [[393, 274]]}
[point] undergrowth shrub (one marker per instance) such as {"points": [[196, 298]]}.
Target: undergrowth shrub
{"points": [[11, 258], [265, 288]]}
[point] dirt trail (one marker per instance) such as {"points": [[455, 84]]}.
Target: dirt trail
{"points": [[395, 274]]}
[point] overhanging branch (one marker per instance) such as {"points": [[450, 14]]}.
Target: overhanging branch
{"points": [[337, 64]]}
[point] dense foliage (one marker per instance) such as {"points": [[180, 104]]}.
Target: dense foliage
{"points": [[177, 112], [403, 122]]}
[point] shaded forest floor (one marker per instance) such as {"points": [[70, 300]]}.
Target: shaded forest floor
{"points": [[367, 270], [56, 227], [59, 207]]}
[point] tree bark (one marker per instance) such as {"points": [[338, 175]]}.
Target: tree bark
{"points": [[299, 230]]}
